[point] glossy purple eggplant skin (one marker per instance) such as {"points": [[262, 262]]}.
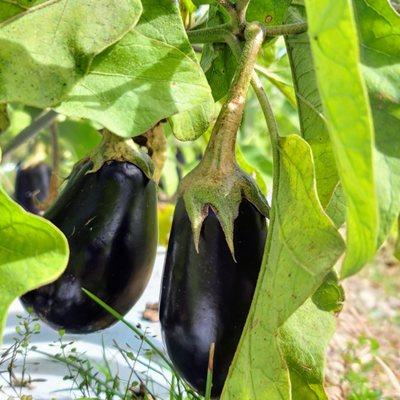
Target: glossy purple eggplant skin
{"points": [[206, 296], [110, 220], [32, 183]]}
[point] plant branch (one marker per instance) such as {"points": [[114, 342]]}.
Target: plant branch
{"points": [[289, 29], [216, 34], [220, 33], [32, 130]]}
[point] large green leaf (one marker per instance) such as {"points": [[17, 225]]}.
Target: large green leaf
{"points": [[335, 48], [302, 246], [46, 50], [312, 123], [151, 74], [379, 29], [33, 252]]}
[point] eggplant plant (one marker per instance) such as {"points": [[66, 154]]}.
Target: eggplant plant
{"points": [[247, 312]]}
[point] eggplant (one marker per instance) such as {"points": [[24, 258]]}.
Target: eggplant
{"points": [[110, 220], [206, 296], [32, 185]]}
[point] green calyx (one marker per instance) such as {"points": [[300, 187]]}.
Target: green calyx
{"points": [[218, 182], [223, 190], [116, 148]]}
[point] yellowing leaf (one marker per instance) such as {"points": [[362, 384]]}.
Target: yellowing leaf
{"points": [[335, 48]]}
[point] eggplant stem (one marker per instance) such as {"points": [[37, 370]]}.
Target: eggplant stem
{"points": [[220, 152]]}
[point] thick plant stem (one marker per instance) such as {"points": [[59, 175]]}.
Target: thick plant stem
{"points": [[258, 88], [220, 152], [220, 34], [32, 130]]}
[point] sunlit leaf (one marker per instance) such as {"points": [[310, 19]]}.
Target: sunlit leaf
{"points": [[312, 122], [379, 28], [33, 252], [335, 48], [46, 50], [151, 74]]}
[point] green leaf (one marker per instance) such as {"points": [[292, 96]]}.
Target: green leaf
{"points": [[302, 246], [221, 69], [280, 83], [151, 74], [191, 124], [217, 60], [270, 12], [379, 30], [304, 339], [33, 252], [336, 208], [46, 50], [312, 123], [330, 295], [335, 49]]}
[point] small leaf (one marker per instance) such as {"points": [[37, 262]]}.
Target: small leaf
{"points": [[33, 252], [330, 295]]}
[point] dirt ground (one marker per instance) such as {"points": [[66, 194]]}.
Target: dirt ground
{"points": [[364, 356]]}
